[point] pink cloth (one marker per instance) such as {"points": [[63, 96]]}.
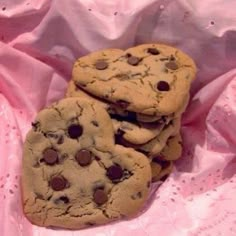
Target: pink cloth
{"points": [[39, 41]]}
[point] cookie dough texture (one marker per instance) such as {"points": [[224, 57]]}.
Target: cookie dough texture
{"points": [[151, 79], [74, 175]]}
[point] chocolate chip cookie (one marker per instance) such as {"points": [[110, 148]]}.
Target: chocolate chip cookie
{"points": [[74, 176], [115, 111], [151, 79], [133, 131], [156, 145], [137, 133]]}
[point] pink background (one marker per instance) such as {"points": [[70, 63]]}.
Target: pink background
{"points": [[39, 41]]}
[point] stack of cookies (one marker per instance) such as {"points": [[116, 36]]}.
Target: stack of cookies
{"points": [[89, 158], [145, 90]]}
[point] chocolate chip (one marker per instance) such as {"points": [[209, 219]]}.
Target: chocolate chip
{"points": [[101, 65], [163, 163], [153, 51], [60, 140], [171, 65], [58, 183], [163, 86], [75, 131], [114, 172], [50, 156], [122, 103], [100, 197], [132, 60], [83, 157], [148, 184]]}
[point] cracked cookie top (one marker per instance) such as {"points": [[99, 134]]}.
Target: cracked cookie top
{"points": [[75, 91], [74, 175], [151, 79]]}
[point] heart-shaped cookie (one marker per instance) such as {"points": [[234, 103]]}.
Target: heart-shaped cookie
{"points": [[151, 79], [74, 175]]}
